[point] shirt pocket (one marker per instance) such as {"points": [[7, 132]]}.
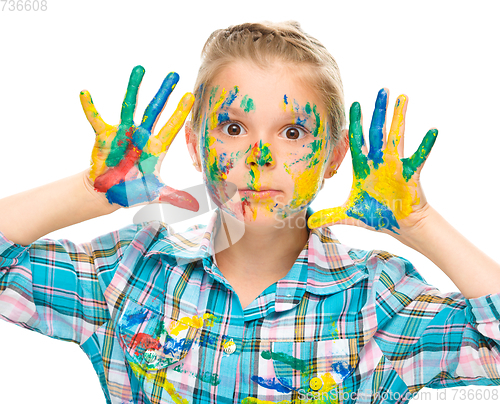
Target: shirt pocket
{"points": [[152, 341], [313, 365]]}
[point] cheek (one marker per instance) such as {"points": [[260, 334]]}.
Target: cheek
{"points": [[219, 158], [306, 171]]}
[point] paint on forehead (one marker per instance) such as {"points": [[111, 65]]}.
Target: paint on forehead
{"points": [[285, 102], [247, 104], [228, 101]]}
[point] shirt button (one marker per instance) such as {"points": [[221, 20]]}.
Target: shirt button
{"points": [[229, 347], [150, 356], [316, 383]]}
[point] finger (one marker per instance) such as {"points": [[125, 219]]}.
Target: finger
{"points": [[181, 199], [91, 113], [395, 142], [327, 217], [417, 160], [130, 101], [161, 142], [356, 143], [158, 102], [377, 128]]}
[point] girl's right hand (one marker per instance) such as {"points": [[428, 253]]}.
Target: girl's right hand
{"points": [[126, 158]]}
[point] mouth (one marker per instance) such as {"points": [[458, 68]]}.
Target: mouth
{"points": [[263, 193]]}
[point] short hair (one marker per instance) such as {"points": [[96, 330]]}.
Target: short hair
{"points": [[264, 43]]}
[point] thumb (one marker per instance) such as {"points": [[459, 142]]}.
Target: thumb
{"points": [[328, 217], [181, 199]]}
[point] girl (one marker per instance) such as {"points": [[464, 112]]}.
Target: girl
{"points": [[256, 306]]}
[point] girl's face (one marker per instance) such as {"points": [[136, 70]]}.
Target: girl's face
{"points": [[265, 143]]}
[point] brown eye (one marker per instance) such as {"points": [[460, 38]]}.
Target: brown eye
{"points": [[294, 133], [232, 129]]}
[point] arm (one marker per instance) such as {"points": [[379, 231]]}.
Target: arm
{"points": [[433, 339], [472, 271], [387, 196], [125, 166], [32, 214]]}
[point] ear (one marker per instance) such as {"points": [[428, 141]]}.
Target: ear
{"points": [[338, 154], [192, 145]]}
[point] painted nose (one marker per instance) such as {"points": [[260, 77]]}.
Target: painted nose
{"points": [[260, 156]]}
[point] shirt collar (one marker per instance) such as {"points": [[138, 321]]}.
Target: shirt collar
{"points": [[323, 267]]}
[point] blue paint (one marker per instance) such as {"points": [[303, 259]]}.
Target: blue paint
{"points": [[133, 319], [285, 99], [129, 193], [223, 115], [156, 105], [342, 368], [173, 347], [270, 384], [376, 129], [373, 213]]}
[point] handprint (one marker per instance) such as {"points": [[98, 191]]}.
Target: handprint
{"points": [[386, 189], [126, 158]]}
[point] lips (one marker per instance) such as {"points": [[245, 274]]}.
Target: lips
{"points": [[263, 193]]}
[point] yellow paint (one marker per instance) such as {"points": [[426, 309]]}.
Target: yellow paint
{"points": [[306, 186], [214, 122], [151, 377], [161, 142], [385, 183], [185, 322]]}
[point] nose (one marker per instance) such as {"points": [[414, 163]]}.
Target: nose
{"points": [[260, 156]]}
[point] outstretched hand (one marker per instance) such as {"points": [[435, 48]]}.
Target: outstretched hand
{"points": [[386, 194], [126, 158]]}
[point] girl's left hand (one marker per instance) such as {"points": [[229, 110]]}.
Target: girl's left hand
{"points": [[386, 195]]}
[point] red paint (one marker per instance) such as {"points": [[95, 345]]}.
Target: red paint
{"points": [[145, 341], [245, 203], [117, 174], [181, 199]]}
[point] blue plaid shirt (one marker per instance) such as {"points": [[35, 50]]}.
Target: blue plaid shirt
{"points": [[161, 324]]}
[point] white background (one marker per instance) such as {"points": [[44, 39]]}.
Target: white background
{"points": [[443, 54]]}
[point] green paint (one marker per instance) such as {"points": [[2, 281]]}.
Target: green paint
{"points": [[318, 122], [247, 104], [207, 377], [359, 160], [265, 154], [315, 146], [410, 165], [119, 144], [308, 109], [147, 163], [295, 363], [129, 103]]}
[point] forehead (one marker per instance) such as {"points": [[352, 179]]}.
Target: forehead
{"points": [[269, 87]]}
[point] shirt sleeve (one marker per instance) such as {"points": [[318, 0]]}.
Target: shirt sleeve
{"points": [[434, 339], [55, 287]]}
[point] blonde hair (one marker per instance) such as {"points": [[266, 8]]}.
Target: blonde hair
{"points": [[265, 43]]}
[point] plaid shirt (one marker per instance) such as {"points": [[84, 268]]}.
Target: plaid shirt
{"points": [[161, 324]]}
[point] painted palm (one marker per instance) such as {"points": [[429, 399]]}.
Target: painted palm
{"points": [[385, 187], [126, 158]]}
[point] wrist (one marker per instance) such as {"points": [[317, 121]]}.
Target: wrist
{"points": [[96, 199], [415, 231]]}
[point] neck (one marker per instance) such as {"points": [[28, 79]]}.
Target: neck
{"points": [[262, 254]]}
